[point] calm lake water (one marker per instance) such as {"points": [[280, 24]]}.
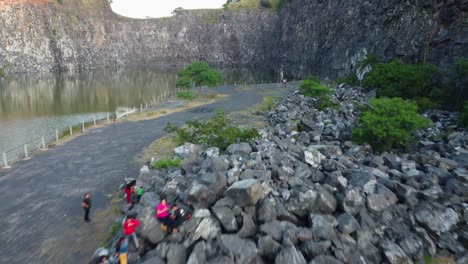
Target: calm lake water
{"points": [[35, 105]]}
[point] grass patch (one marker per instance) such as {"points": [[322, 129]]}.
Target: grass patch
{"points": [[187, 95], [162, 148], [437, 260], [167, 163]]}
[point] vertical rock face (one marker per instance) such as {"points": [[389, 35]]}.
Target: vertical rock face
{"points": [[328, 38], [42, 36]]}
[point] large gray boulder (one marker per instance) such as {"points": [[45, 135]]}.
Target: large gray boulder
{"points": [[188, 149], [226, 217], [347, 224], [268, 247], [242, 149], [249, 228], [198, 255], [220, 164], [245, 193], [150, 199], [438, 220], [200, 196], [290, 255], [176, 254], [313, 157], [266, 212], [354, 201], [394, 254], [316, 199], [323, 226], [215, 181], [314, 248], [322, 259], [150, 228], [277, 229], [239, 249]]}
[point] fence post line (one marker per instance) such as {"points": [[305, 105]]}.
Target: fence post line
{"points": [[5, 161], [56, 136], [26, 156], [43, 142], [94, 120], [71, 131], [82, 126], [108, 118]]}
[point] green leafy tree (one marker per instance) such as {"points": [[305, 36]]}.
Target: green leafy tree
{"points": [[457, 85], [200, 74], [389, 123], [2, 72], [463, 119]]}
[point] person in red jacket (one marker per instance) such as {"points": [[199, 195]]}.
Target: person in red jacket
{"points": [[129, 229]]}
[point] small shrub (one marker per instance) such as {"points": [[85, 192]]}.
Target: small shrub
{"points": [[457, 85], [269, 103], [217, 132], [187, 95], [312, 88], [389, 123], [167, 163], [463, 119], [425, 103]]}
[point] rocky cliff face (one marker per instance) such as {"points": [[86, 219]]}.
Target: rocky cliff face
{"points": [[320, 37], [327, 38], [41, 35]]}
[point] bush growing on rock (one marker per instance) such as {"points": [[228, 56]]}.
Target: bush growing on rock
{"points": [[463, 119], [389, 123], [457, 85], [216, 132], [312, 88], [166, 163]]}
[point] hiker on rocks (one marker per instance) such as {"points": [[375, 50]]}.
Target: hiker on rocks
{"points": [[122, 250], [86, 206], [133, 197], [129, 229], [128, 191], [140, 192], [177, 217], [162, 213]]}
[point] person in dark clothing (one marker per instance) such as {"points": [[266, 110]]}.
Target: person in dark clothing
{"points": [[86, 206], [177, 217]]}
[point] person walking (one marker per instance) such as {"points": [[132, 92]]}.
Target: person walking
{"points": [[129, 229], [86, 206], [140, 192], [122, 249]]}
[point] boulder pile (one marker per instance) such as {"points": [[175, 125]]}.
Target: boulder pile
{"points": [[305, 193]]}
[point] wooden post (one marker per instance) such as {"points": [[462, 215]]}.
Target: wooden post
{"points": [[43, 143], [5, 161], [82, 126], [26, 156], [71, 131], [94, 120], [56, 136]]}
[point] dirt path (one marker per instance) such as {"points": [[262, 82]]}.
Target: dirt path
{"points": [[41, 217]]}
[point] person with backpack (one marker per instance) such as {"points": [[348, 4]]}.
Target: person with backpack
{"points": [[129, 226], [140, 192]]}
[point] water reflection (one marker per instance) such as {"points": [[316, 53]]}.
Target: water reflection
{"points": [[31, 106]]}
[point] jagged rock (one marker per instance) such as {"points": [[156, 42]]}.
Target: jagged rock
{"points": [[226, 218], [242, 149], [191, 163], [407, 165], [221, 260], [380, 198], [266, 212], [347, 224], [313, 157], [201, 213], [268, 247], [354, 201], [144, 169], [198, 255], [395, 254], [392, 161], [206, 228], [150, 228], [249, 228], [313, 248], [412, 245], [200, 196], [447, 164], [176, 254], [244, 193], [438, 220], [276, 229], [325, 260], [326, 202], [154, 260], [150, 199], [457, 187], [239, 249], [188, 149], [290, 255], [262, 175], [216, 182], [224, 202], [212, 152], [219, 164], [323, 226]]}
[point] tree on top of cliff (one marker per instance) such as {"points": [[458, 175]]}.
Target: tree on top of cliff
{"points": [[199, 74], [2, 72]]}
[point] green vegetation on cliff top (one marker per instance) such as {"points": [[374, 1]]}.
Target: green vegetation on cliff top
{"points": [[275, 5]]}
